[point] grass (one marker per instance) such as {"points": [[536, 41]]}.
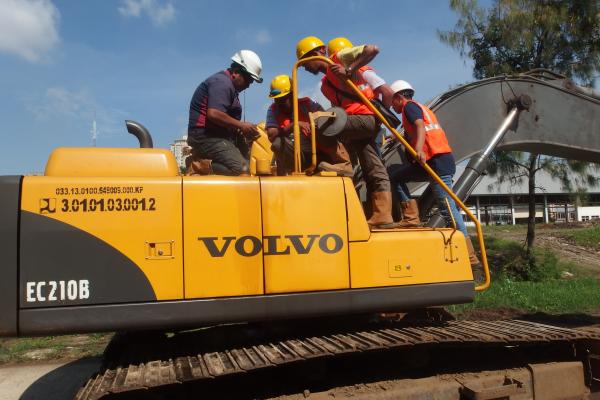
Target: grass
{"points": [[553, 296], [52, 347], [535, 283], [588, 237]]}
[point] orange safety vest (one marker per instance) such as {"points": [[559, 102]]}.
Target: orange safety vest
{"points": [[336, 95], [284, 119], [435, 137]]}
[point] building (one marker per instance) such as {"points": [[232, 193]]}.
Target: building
{"points": [[507, 203], [180, 149]]}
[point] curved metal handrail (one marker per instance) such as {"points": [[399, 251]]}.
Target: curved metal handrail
{"points": [[411, 151]]}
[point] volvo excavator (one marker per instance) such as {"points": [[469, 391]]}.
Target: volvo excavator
{"points": [[115, 239]]}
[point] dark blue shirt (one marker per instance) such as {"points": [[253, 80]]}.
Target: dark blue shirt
{"points": [[216, 92], [442, 164]]}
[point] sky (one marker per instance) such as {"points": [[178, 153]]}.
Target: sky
{"points": [[64, 63]]}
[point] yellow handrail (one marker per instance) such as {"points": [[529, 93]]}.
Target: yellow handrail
{"points": [[411, 151]]}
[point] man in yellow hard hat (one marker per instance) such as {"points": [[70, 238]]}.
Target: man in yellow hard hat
{"points": [[362, 127], [280, 127]]}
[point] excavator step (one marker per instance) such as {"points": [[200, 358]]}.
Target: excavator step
{"points": [[128, 372]]}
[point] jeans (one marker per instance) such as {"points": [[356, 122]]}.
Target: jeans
{"points": [[228, 158], [415, 173]]}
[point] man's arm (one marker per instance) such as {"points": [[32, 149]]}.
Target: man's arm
{"points": [[420, 125], [381, 89], [223, 119], [386, 94], [354, 58]]}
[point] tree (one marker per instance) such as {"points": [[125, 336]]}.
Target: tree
{"points": [[520, 35], [515, 36], [514, 166]]}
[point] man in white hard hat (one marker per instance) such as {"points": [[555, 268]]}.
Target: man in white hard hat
{"points": [[427, 137], [218, 137]]}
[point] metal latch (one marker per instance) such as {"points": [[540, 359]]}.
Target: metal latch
{"points": [[159, 250], [450, 251]]}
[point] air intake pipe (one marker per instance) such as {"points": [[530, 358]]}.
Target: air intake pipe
{"points": [[141, 133]]}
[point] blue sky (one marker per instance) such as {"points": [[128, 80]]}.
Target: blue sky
{"points": [[61, 61]]}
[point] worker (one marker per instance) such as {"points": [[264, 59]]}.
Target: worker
{"points": [[218, 137], [428, 139], [280, 127], [381, 90], [361, 127]]}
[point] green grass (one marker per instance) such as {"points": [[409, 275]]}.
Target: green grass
{"points": [[588, 237], [55, 347], [555, 296], [533, 283]]}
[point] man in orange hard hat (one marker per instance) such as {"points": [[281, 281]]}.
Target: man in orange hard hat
{"points": [[362, 127]]}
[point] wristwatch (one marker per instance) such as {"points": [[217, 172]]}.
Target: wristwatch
{"points": [[349, 71]]}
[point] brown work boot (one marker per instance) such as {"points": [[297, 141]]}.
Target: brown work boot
{"points": [[381, 218], [340, 161], [410, 215], [478, 273], [197, 166]]}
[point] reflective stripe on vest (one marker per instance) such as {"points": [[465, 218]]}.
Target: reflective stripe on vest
{"points": [[336, 96], [435, 137]]}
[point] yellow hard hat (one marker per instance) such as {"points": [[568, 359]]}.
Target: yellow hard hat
{"points": [[338, 44], [308, 44], [280, 86]]}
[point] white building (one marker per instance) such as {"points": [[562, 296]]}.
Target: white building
{"points": [[180, 149], [508, 203]]}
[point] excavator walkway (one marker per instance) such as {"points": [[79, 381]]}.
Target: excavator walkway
{"points": [[190, 356]]}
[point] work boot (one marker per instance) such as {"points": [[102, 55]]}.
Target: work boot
{"points": [[410, 215], [381, 217], [476, 267], [340, 161], [197, 166]]}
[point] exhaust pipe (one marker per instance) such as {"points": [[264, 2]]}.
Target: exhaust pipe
{"points": [[141, 133]]}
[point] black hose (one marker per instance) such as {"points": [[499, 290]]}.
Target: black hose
{"points": [[141, 133]]}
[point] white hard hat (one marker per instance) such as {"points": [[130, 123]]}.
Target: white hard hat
{"points": [[400, 86], [251, 63]]}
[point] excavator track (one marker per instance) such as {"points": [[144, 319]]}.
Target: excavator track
{"points": [[186, 357]]}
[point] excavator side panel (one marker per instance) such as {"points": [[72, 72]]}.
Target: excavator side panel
{"points": [[305, 234], [86, 241], [222, 236], [410, 257], [10, 187]]}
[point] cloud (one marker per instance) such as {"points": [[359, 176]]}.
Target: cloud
{"points": [[261, 36], [61, 103], [28, 28], [159, 14]]}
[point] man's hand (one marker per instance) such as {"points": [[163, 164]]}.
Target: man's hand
{"points": [[249, 130], [304, 128], [421, 156], [340, 72]]}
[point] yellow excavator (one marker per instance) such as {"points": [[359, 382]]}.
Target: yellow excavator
{"points": [[115, 239]]}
